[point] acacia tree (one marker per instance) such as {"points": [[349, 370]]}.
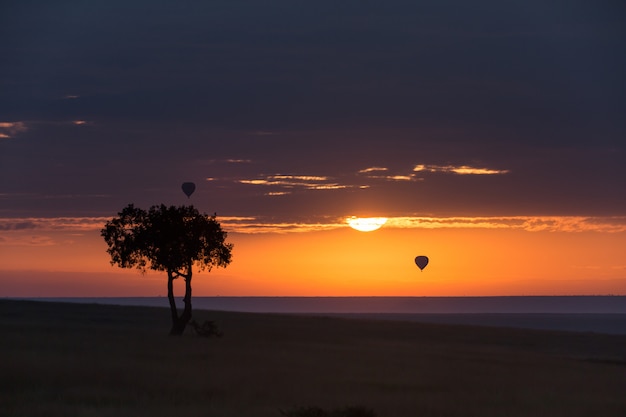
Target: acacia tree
{"points": [[170, 239]]}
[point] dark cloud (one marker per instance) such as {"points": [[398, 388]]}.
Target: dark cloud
{"points": [[534, 88]]}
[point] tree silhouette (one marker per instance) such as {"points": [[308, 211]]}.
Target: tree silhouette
{"points": [[170, 239]]}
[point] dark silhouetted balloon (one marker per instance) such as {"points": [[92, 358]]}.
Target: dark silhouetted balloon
{"points": [[188, 188], [421, 262]]}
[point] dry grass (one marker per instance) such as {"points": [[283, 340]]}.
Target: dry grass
{"points": [[94, 360]]}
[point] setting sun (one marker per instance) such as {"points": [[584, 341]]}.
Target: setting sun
{"points": [[366, 224]]}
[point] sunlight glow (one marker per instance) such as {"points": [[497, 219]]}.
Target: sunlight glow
{"points": [[366, 224]]}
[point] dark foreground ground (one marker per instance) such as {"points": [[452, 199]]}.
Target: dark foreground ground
{"points": [[96, 360]]}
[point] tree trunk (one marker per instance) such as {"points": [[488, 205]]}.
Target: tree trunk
{"points": [[186, 316], [173, 311], [179, 323]]}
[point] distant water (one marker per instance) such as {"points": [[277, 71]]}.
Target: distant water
{"points": [[603, 314]]}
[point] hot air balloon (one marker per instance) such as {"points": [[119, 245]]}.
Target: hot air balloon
{"points": [[188, 188], [421, 262]]}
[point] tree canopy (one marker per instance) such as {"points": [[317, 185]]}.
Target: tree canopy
{"points": [[170, 239], [166, 239]]}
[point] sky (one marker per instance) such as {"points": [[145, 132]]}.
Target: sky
{"points": [[491, 135]]}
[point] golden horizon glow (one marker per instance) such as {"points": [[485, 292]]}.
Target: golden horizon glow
{"points": [[334, 261], [255, 225], [366, 224]]}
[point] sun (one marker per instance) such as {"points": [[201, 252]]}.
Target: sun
{"points": [[366, 224]]}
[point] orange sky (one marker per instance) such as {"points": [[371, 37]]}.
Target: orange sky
{"points": [[337, 262]]}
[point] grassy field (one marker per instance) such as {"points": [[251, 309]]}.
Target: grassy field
{"points": [[95, 360]]}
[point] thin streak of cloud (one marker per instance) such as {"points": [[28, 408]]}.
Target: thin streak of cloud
{"points": [[292, 184], [466, 170], [328, 187], [299, 177], [255, 182], [307, 182], [400, 177], [460, 170], [395, 177], [12, 125], [259, 225], [527, 223], [373, 169], [72, 224], [381, 173], [10, 129]]}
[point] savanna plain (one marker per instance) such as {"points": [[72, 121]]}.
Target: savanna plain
{"points": [[97, 360]]}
